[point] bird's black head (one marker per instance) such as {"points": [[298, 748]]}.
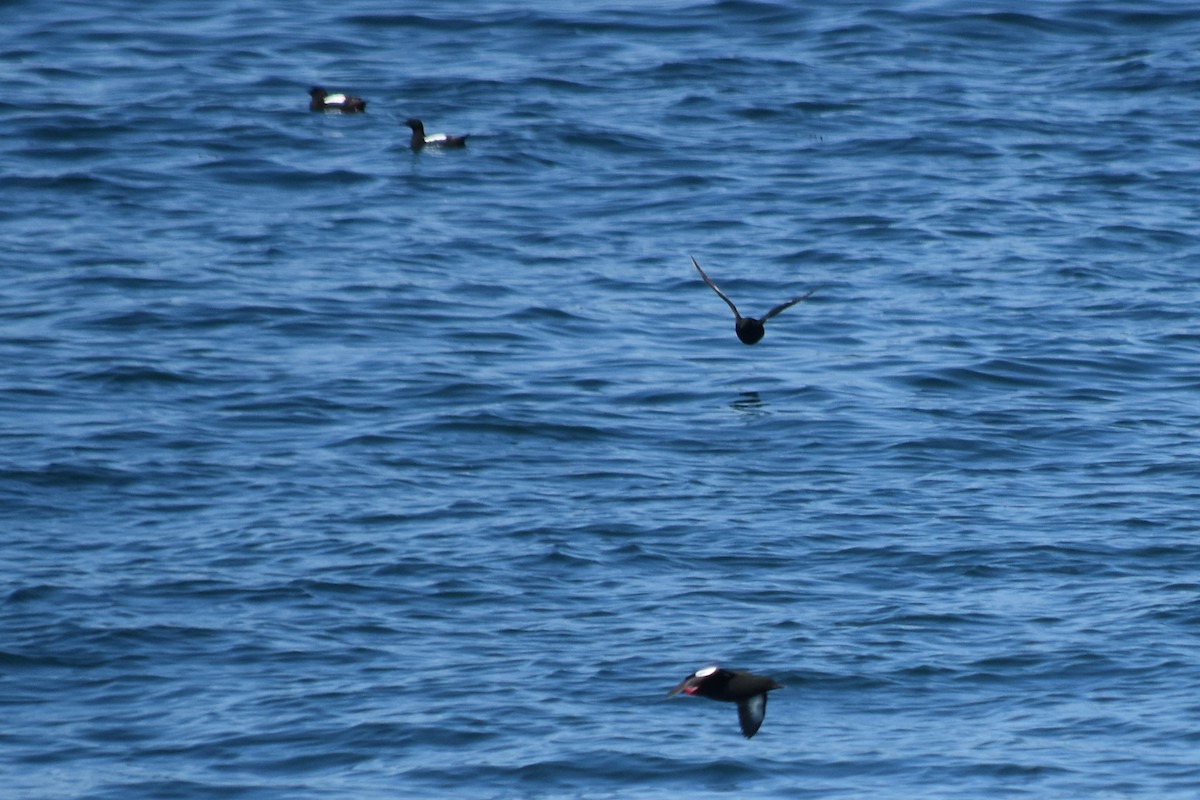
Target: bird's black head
{"points": [[415, 124], [749, 330]]}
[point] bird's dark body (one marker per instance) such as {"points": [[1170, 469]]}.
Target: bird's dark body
{"points": [[748, 330], [731, 686]]}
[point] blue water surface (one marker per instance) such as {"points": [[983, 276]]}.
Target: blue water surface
{"points": [[331, 469]]}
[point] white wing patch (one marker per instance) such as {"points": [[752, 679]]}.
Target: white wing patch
{"points": [[335, 99], [706, 671]]}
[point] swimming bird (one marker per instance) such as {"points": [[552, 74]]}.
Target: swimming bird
{"points": [[323, 101], [419, 139], [748, 329], [732, 686]]}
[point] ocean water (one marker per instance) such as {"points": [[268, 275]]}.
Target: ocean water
{"points": [[331, 470]]}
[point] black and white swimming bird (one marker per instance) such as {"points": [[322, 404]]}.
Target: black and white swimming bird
{"points": [[324, 101], [732, 686], [748, 329], [421, 139]]}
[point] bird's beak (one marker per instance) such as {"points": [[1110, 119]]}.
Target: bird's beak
{"points": [[682, 686]]}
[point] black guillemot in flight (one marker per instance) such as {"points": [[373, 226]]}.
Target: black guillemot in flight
{"points": [[732, 686], [748, 329]]}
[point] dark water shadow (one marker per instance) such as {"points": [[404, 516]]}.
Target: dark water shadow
{"points": [[749, 403]]}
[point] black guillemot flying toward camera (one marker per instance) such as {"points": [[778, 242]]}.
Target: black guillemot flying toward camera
{"points": [[324, 101], [732, 686], [748, 329], [420, 139]]}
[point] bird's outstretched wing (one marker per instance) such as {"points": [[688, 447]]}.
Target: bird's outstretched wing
{"points": [[784, 306], [751, 712], [721, 294]]}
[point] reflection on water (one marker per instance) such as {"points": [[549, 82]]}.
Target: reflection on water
{"points": [[748, 402]]}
